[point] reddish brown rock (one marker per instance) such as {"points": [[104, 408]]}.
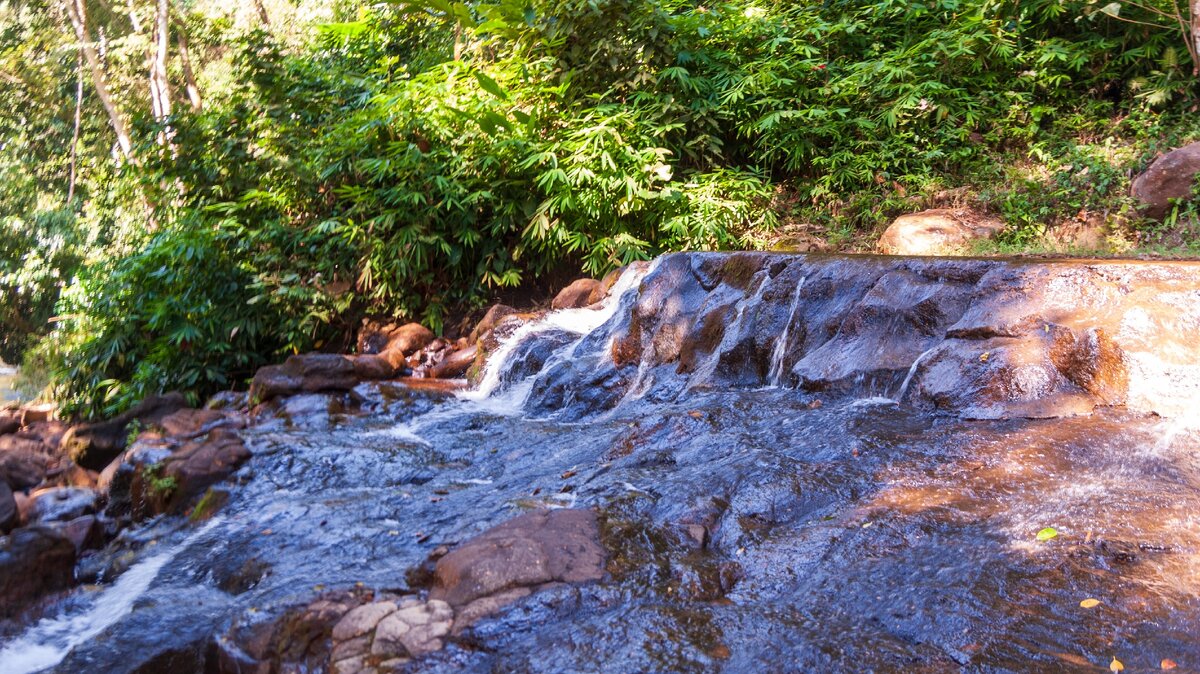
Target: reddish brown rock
{"points": [[577, 295], [536, 548], [10, 421], [317, 372], [178, 480], [379, 338], [1171, 177], [940, 231], [455, 365], [490, 320]]}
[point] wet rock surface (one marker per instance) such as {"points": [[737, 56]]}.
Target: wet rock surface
{"points": [[737, 507], [976, 338]]}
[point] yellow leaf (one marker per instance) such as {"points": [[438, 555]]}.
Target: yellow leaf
{"points": [[1090, 603], [1168, 663], [983, 357], [1116, 666]]}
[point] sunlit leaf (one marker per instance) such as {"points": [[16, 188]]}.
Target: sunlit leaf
{"points": [[1047, 533], [1090, 603], [1168, 663], [1116, 666]]}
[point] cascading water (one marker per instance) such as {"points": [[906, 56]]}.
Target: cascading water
{"points": [[779, 353], [47, 642]]}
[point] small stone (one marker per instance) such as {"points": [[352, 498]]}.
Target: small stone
{"points": [[348, 649], [361, 620], [349, 666]]}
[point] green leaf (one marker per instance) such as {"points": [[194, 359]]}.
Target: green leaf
{"points": [[489, 85], [1047, 533]]}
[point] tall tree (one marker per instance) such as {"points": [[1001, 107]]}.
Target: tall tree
{"points": [[77, 11]]}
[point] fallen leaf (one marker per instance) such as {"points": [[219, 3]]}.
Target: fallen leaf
{"points": [[1090, 603], [1047, 533], [1168, 663], [568, 474], [696, 414], [1116, 666], [267, 532], [983, 357]]}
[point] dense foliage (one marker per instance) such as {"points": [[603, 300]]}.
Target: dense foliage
{"points": [[409, 159]]}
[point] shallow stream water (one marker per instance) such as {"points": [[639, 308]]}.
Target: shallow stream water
{"points": [[836, 535]]}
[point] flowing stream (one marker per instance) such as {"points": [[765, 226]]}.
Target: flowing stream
{"points": [[837, 535]]}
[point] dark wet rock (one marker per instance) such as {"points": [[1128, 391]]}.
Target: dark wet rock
{"points": [[381, 338], [939, 231], [577, 295], [10, 516], [1171, 177], [981, 338], [455, 365], [94, 445], [85, 532], [34, 561], [60, 504], [517, 557], [10, 421], [229, 400]]}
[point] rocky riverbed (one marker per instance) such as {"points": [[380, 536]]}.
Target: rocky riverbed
{"points": [[734, 463]]}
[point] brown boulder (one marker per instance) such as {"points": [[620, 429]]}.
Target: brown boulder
{"points": [[23, 464], [179, 479], [314, 372], [94, 445], [939, 231], [377, 338], [539, 547], [33, 561], [455, 365], [1170, 177], [575, 296], [490, 320]]}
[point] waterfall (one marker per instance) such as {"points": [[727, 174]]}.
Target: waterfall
{"points": [[580, 322], [912, 371], [779, 353], [46, 643]]}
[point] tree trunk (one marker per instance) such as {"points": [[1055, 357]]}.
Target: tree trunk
{"points": [[1195, 38], [185, 60], [262, 12], [78, 15], [78, 124], [160, 94]]}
